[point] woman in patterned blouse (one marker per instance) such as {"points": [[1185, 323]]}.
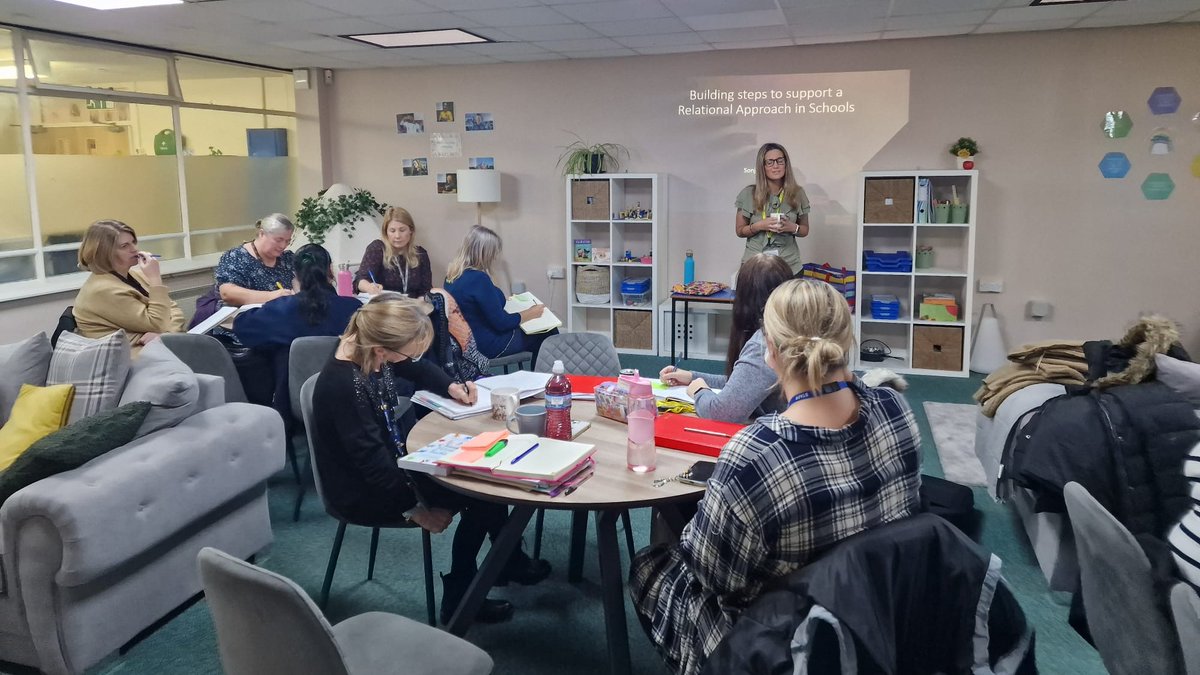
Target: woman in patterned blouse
{"points": [[394, 262], [259, 270], [842, 458]]}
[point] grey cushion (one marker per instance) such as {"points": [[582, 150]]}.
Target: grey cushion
{"points": [[375, 642], [98, 369], [25, 362], [1182, 377], [581, 354], [158, 376]]}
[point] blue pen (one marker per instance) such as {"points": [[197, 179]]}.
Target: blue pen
{"points": [[531, 448], [372, 275]]}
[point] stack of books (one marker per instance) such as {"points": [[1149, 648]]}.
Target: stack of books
{"points": [[524, 461]]}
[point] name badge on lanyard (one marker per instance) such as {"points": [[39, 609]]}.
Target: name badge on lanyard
{"points": [[771, 251]]}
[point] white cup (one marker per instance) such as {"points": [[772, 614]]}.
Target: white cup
{"points": [[504, 403]]}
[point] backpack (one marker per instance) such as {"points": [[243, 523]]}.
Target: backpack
{"points": [[463, 362]]}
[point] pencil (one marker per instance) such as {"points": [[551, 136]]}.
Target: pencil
{"points": [[710, 433]]}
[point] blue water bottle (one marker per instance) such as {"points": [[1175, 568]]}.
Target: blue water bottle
{"points": [[689, 268]]}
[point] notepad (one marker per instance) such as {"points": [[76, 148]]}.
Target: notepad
{"points": [[448, 407], [551, 460], [527, 382], [220, 316], [546, 322], [426, 459]]}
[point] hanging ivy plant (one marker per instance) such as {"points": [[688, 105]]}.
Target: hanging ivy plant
{"points": [[318, 216]]}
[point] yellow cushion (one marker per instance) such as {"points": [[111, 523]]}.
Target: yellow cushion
{"points": [[37, 413]]}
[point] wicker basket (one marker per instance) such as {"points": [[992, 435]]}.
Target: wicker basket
{"points": [[593, 285]]}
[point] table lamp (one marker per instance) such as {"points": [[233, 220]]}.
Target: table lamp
{"points": [[479, 186]]}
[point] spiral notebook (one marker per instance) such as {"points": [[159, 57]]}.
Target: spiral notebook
{"points": [[525, 456]]}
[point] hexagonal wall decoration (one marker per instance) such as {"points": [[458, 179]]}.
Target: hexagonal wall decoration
{"points": [[1157, 186], [1164, 101], [1114, 165], [1117, 124]]}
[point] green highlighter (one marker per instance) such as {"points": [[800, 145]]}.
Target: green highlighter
{"points": [[500, 445]]}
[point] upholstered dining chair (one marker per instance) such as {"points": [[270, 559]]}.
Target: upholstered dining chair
{"points": [[267, 624], [306, 407], [206, 355], [306, 357]]}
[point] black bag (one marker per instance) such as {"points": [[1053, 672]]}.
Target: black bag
{"points": [[951, 501], [66, 323], [206, 306]]}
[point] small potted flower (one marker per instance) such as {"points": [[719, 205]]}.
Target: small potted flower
{"points": [[964, 150]]}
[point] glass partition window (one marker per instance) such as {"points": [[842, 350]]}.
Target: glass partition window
{"points": [[77, 65], [8, 63], [215, 83], [16, 230]]}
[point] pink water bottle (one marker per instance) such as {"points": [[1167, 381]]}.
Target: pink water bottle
{"points": [[640, 454], [558, 404], [345, 280]]}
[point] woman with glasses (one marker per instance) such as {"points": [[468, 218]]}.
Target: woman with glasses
{"points": [[773, 211], [360, 431]]}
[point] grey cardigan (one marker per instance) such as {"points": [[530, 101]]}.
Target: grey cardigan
{"points": [[749, 391]]}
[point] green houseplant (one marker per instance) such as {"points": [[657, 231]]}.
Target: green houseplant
{"points": [[964, 147], [580, 157], [319, 215]]}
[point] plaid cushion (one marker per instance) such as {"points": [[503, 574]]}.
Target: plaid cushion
{"points": [[97, 368]]}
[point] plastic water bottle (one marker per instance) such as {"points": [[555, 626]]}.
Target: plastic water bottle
{"points": [[558, 404], [689, 268], [640, 454], [345, 280]]}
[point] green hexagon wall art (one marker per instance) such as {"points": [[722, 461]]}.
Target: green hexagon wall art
{"points": [[1117, 124], [1114, 165], [1157, 186], [1164, 101]]}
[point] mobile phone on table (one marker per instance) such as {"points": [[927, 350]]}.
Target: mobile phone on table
{"points": [[699, 473]]}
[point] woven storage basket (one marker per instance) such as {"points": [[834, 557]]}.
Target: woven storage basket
{"points": [[593, 285]]}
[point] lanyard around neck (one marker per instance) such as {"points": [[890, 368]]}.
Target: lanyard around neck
{"points": [[827, 389], [768, 203]]}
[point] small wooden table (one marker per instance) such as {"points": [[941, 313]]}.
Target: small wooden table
{"points": [[610, 491], [724, 297]]}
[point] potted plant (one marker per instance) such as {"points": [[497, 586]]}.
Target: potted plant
{"points": [[579, 157], [964, 150], [334, 206]]}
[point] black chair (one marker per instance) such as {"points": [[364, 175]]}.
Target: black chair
{"points": [[306, 408]]}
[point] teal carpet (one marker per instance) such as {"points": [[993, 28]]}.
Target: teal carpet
{"points": [[559, 626]]}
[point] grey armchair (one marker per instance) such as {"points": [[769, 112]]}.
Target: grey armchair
{"points": [[267, 624]]}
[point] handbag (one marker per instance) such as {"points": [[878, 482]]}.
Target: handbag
{"points": [[206, 306]]}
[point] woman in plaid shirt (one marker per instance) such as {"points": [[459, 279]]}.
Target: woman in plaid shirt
{"points": [[840, 459]]}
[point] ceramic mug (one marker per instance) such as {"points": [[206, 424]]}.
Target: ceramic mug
{"points": [[530, 419], [504, 403]]}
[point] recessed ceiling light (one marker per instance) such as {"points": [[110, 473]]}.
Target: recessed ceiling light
{"points": [[120, 4], [1044, 3], [419, 38]]}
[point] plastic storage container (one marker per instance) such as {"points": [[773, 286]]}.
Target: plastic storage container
{"points": [[900, 261], [636, 292], [885, 307]]}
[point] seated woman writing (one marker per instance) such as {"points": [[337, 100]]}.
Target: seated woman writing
{"points": [[125, 290], [469, 280], [749, 387], [394, 262], [840, 459], [360, 435], [261, 269]]}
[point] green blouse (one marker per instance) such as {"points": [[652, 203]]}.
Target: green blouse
{"points": [[783, 245]]}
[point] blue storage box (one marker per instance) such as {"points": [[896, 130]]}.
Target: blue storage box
{"points": [[267, 142], [635, 292], [900, 261], [885, 307]]}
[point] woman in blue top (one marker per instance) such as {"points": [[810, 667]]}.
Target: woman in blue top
{"points": [[469, 280], [315, 310]]}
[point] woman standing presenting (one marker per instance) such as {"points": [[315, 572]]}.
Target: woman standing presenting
{"points": [[394, 262], [774, 211]]}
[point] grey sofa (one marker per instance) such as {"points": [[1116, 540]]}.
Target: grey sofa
{"points": [[93, 556]]}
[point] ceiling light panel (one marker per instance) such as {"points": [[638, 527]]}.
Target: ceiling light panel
{"points": [[120, 4], [423, 38]]}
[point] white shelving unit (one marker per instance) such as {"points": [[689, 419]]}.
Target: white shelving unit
{"points": [[916, 342], [641, 236]]}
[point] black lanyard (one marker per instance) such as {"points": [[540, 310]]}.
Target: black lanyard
{"points": [[827, 389]]}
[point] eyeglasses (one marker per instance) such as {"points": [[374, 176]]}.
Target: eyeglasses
{"points": [[407, 357], [778, 161]]}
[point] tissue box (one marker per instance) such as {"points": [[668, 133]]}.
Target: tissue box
{"points": [[612, 401]]}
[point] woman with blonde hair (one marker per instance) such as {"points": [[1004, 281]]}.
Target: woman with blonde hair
{"points": [[394, 262], [125, 290], [840, 459], [469, 280], [261, 269], [773, 212], [360, 433]]}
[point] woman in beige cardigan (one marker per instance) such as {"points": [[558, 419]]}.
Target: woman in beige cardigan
{"points": [[125, 291]]}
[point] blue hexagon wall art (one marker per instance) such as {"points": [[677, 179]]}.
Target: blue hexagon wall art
{"points": [[1157, 186], [1164, 101], [1114, 165]]}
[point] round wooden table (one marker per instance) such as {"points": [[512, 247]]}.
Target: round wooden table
{"points": [[611, 491]]}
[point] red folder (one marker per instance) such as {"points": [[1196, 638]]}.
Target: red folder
{"points": [[669, 432], [583, 385]]}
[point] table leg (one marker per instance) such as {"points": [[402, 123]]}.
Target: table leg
{"points": [[502, 548], [672, 518], [612, 584], [672, 331], [686, 334], [578, 543]]}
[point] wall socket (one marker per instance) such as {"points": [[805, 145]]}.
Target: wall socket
{"points": [[556, 272], [991, 286]]}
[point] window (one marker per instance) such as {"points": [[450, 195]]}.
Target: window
{"points": [[16, 231], [227, 84], [69, 64]]}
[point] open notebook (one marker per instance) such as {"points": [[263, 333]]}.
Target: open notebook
{"points": [[452, 409], [222, 315], [523, 301], [527, 382], [525, 456]]}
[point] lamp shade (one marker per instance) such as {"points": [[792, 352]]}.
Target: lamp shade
{"points": [[480, 185]]}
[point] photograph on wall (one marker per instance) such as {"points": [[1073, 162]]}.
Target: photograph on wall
{"points": [[481, 162], [479, 122], [409, 123], [445, 145], [445, 111], [447, 183], [418, 166]]}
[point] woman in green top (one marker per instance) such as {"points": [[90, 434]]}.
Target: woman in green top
{"points": [[774, 211]]}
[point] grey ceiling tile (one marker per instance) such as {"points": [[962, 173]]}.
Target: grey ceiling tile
{"points": [[376, 7], [519, 16], [611, 9], [471, 5], [1048, 13], [933, 31], [674, 49], [503, 50], [752, 19], [272, 10], [684, 8], [1017, 26], [316, 44], [568, 46], [919, 7], [344, 26], [569, 31], [602, 54], [818, 27], [522, 58], [745, 34], [938, 21], [431, 21], [640, 42], [640, 27], [754, 44], [831, 39]]}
